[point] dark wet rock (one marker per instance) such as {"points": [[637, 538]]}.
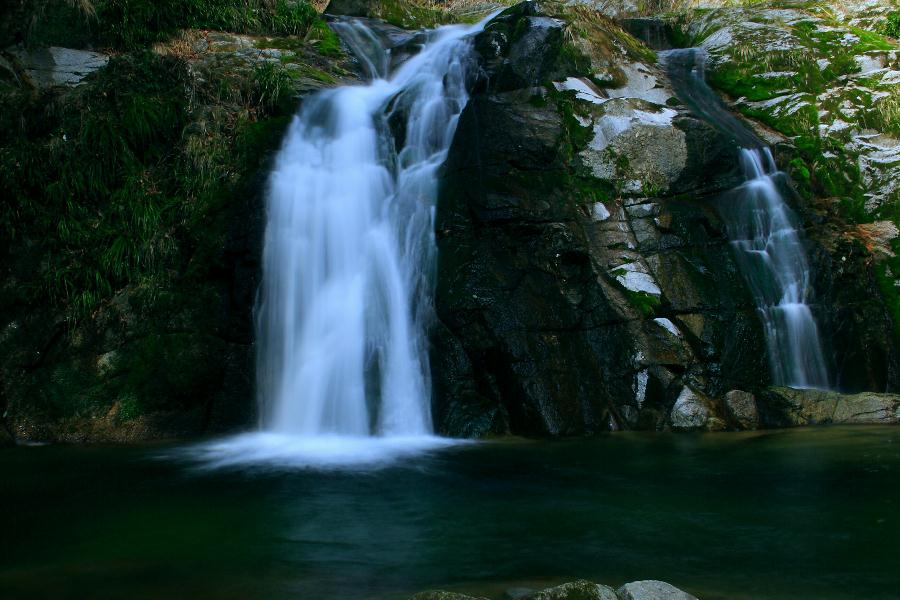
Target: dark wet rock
{"points": [[652, 590], [6, 437], [656, 33], [583, 282]]}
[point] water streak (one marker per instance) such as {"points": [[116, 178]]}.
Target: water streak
{"points": [[765, 235]]}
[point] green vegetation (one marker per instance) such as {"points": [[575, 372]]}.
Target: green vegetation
{"points": [[131, 24], [121, 196], [891, 25]]}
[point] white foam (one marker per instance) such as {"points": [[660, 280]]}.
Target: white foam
{"points": [[280, 451]]}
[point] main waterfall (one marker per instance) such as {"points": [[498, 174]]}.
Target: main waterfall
{"points": [[348, 261], [349, 246], [763, 231]]}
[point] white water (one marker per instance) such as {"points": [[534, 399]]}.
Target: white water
{"points": [[348, 259], [348, 262], [774, 262], [762, 229]]}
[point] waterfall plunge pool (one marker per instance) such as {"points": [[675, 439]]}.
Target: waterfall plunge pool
{"points": [[809, 513]]}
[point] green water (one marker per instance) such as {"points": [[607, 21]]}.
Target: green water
{"points": [[791, 514]]}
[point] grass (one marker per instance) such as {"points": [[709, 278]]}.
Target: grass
{"points": [[891, 25], [112, 183], [134, 24]]}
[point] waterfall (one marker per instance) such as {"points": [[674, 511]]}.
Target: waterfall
{"points": [[764, 233], [349, 251], [771, 256]]}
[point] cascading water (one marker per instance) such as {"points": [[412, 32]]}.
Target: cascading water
{"points": [[348, 259], [349, 247], [763, 230]]}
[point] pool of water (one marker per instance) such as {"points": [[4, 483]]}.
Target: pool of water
{"points": [[788, 514]]}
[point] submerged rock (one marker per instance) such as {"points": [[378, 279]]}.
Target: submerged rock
{"points": [[652, 590]]}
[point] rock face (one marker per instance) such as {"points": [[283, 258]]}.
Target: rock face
{"points": [[787, 407], [584, 277], [652, 590]]}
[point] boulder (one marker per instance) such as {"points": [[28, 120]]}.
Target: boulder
{"points": [[740, 409], [652, 590], [689, 412], [576, 590], [442, 595]]}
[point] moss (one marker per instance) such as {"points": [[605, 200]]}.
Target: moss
{"points": [[646, 303], [408, 15], [578, 136]]}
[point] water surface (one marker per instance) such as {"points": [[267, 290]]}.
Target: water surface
{"points": [[789, 514]]}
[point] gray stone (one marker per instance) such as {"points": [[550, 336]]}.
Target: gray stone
{"points": [[442, 595], [576, 590], [740, 408], [652, 590], [48, 67], [689, 411], [654, 150]]}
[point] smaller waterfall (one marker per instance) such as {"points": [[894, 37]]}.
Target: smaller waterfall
{"points": [[772, 258], [764, 233]]}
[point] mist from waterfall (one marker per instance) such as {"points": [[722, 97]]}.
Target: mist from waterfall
{"points": [[764, 232]]}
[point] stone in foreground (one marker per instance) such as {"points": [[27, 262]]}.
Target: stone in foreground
{"points": [[442, 595], [652, 590], [576, 590]]}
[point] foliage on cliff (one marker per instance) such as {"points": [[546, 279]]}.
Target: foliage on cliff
{"points": [[124, 198]]}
